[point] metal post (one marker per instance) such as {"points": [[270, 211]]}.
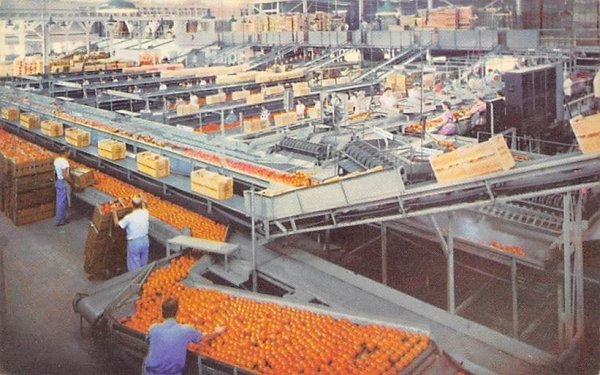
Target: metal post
{"points": [[253, 234], [561, 319], [222, 122], [384, 255], [515, 309], [327, 237], [450, 286], [568, 313], [578, 266], [3, 302]]}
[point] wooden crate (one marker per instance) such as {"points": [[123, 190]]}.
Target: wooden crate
{"points": [[77, 137], [285, 118], [111, 149], [587, 131], [82, 177], [239, 95], [473, 160], [273, 90], [26, 183], [29, 121], [104, 221], [216, 98], [252, 126], [28, 168], [152, 164], [52, 128], [313, 113], [31, 215], [10, 113], [255, 98], [212, 184]]}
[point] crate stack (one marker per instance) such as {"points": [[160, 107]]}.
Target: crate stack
{"points": [[106, 244], [443, 18], [28, 66], [10, 113], [28, 193]]}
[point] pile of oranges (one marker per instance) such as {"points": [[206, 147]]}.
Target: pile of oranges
{"points": [[174, 215], [269, 338], [21, 151], [517, 250]]}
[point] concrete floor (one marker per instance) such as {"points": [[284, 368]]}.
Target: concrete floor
{"points": [[43, 269]]}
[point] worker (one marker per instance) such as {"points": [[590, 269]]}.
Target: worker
{"points": [[567, 87], [414, 93], [448, 125], [168, 341], [63, 179], [265, 115], [596, 85], [231, 118], [387, 101], [193, 98], [136, 224], [137, 90], [300, 110], [162, 86], [477, 113]]}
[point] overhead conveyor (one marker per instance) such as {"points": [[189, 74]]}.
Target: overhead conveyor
{"points": [[404, 57], [272, 56], [353, 201]]}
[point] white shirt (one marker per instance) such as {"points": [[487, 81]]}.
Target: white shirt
{"points": [[300, 110], [387, 101], [136, 223], [597, 85], [60, 164], [568, 86]]}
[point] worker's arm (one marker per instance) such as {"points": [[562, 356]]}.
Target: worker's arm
{"points": [[67, 175], [115, 217], [214, 335]]}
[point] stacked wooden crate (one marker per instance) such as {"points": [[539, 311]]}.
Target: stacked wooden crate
{"points": [[466, 17], [77, 137], [396, 82], [443, 18], [10, 113], [212, 184], [52, 128], [111, 149], [587, 131], [28, 191], [29, 121], [152, 164], [473, 160], [106, 244]]}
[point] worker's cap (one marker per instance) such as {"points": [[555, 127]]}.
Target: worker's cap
{"points": [[137, 199], [63, 150]]}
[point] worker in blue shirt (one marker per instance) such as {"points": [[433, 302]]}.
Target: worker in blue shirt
{"points": [[168, 342], [136, 224]]}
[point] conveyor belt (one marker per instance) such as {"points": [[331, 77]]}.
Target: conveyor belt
{"points": [[354, 201]]}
